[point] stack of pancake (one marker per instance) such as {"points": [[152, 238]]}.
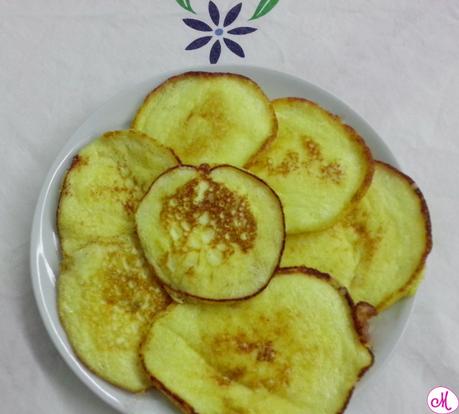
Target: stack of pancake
{"points": [[229, 250]]}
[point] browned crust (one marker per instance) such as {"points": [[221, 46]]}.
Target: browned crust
{"points": [[180, 403], [364, 311], [354, 136], [428, 234], [359, 325], [76, 162], [207, 169], [167, 171], [89, 367], [359, 377], [210, 75], [188, 409], [82, 358]]}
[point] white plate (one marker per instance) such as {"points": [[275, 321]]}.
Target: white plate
{"points": [[117, 114]]}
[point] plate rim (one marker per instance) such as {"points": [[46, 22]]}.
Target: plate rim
{"points": [[70, 145]]}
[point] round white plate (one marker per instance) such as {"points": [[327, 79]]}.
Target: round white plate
{"points": [[117, 114]]}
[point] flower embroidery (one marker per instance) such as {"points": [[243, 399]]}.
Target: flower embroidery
{"points": [[219, 31]]}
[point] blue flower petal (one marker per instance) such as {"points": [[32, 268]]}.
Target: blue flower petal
{"points": [[197, 25], [214, 13], [234, 47], [215, 52], [242, 30], [232, 15], [196, 44]]}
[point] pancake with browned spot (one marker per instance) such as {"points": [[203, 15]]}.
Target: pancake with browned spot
{"points": [[379, 249], [107, 292], [214, 118], [318, 166], [295, 348], [211, 233], [104, 184], [107, 299]]}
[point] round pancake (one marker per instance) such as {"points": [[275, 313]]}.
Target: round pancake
{"points": [[104, 185], [379, 249], [317, 165], [107, 292], [214, 118], [211, 233], [295, 348], [107, 299]]}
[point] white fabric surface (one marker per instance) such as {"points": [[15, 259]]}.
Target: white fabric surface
{"points": [[396, 62]]}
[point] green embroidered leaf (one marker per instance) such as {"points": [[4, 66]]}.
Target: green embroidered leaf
{"points": [[264, 7], [186, 5]]}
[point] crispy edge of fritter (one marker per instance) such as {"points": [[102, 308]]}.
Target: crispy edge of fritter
{"points": [[78, 161], [360, 314], [405, 291], [354, 136], [180, 296], [210, 75], [82, 359]]}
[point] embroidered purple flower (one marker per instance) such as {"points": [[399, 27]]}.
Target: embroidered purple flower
{"points": [[219, 32]]}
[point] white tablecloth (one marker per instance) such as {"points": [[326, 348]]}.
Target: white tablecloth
{"points": [[396, 62]]}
